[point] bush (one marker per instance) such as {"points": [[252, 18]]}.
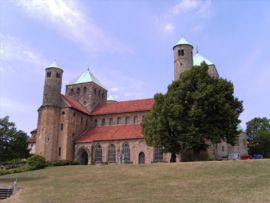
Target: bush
{"points": [[62, 163], [36, 162]]}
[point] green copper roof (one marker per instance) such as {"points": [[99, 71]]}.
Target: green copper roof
{"points": [[182, 41], [198, 59], [87, 76], [239, 128], [54, 65]]}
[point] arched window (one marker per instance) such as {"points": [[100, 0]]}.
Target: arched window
{"points": [[111, 153], [158, 155], [84, 89], [111, 121], [71, 91], [78, 90], [103, 122], [135, 119], [118, 120], [48, 74], [58, 75], [98, 153], [127, 120], [126, 152]]}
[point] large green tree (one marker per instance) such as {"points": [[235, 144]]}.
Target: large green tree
{"points": [[196, 109], [258, 132], [13, 142], [256, 125]]}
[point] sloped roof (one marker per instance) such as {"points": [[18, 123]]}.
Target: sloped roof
{"points": [[116, 132], [75, 104], [124, 107], [198, 59], [182, 41], [85, 77]]}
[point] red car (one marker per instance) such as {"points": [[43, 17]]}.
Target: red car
{"points": [[247, 158]]}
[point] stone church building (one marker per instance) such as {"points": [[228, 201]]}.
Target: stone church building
{"points": [[85, 126]]}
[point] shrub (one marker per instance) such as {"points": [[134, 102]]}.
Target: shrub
{"points": [[62, 163], [36, 162]]}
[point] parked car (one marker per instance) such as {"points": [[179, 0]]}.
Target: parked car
{"points": [[247, 158], [234, 156], [257, 156]]}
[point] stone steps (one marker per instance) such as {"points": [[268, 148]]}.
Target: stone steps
{"points": [[5, 193]]}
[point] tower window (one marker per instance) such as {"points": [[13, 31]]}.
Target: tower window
{"points": [[58, 75], [180, 52], [74, 113], [71, 91], [95, 91], [118, 120], [62, 126], [78, 90], [59, 151], [49, 74], [63, 113], [84, 90], [95, 122]]}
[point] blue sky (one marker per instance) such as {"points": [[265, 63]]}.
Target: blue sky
{"points": [[127, 45]]}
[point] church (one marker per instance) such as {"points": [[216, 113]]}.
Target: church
{"points": [[85, 126]]}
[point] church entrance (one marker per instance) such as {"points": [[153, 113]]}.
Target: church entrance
{"points": [[141, 158], [84, 158]]}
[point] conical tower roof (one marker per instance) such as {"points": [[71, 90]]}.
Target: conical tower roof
{"points": [[53, 65], [182, 41], [85, 77]]}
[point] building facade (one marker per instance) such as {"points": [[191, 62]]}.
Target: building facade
{"points": [[85, 126]]}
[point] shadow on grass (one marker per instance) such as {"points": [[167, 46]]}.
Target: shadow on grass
{"points": [[21, 178]]}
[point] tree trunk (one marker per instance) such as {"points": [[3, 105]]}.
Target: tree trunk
{"points": [[173, 157]]}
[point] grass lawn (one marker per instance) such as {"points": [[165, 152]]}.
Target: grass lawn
{"points": [[223, 181]]}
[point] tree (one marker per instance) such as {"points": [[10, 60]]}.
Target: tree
{"points": [[196, 109], [256, 125], [13, 143]]}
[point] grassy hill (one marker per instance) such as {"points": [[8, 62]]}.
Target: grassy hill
{"points": [[224, 181]]}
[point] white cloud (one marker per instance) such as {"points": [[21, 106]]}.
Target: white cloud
{"points": [[169, 27], [199, 7], [71, 22], [18, 55]]}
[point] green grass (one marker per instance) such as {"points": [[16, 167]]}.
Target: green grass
{"points": [[224, 181]]}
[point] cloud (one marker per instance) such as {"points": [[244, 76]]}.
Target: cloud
{"points": [[200, 7], [16, 55], [169, 27], [72, 23]]}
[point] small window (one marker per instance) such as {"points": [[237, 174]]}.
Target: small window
{"points": [[73, 134], [103, 122], [59, 151], [118, 120], [78, 90], [71, 91], [84, 90], [127, 120], [95, 123], [111, 121], [58, 75], [74, 114], [95, 91], [222, 148], [49, 74], [135, 119], [63, 113], [181, 52], [84, 102], [62, 126]]}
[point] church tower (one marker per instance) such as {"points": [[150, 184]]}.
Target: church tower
{"points": [[183, 57], [49, 114]]}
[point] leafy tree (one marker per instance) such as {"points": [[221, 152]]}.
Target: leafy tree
{"points": [[196, 109], [260, 144], [256, 125], [13, 143]]}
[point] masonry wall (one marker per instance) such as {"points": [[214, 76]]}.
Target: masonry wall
{"points": [[88, 94]]}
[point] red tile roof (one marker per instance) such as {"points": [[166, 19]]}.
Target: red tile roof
{"points": [[116, 132], [74, 104], [124, 107]]}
